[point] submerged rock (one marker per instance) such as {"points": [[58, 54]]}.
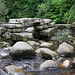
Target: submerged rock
{"points": [[65, 49], [3, 54], [47, 53], [59, 60], [22, 49], [12, 69], [48, 64]]}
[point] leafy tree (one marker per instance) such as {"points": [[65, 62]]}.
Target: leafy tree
{"points": [[3, 10]]}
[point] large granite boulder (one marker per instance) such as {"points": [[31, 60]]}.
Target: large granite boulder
{"points": [[47, 53], [65, 49], [22, 49], [48, 64]]}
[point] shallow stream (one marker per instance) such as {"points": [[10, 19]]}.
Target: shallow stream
{"points": [[33, 66]]}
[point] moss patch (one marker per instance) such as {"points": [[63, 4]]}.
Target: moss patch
{"points": [[3, 45], [19, 70]]}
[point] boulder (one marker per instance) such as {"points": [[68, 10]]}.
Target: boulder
{"points": [[4, 44], [33, 44], [65, 64], [47, 21], [29, 29], [65, 49], [61, 26], [21, 36], [46, 44], [47, 53], [16, 30], [26, 21], [48, 64], [10, 26], [12, 69], [22, 49], [48, 32], [52, 24]]}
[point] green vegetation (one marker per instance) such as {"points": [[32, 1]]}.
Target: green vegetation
{"points": [[63, 37], [60, 11], [25, 39], [3, 10]]}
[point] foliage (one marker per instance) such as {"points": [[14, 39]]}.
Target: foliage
{"points": [[22, 8], [3, 10], [63, 37], [57, 10], [24, 39], [60, 11]]}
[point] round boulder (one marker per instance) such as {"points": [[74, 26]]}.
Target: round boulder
{"points": [[22, 49], [65, 49], [48, 64], [47, 53]]}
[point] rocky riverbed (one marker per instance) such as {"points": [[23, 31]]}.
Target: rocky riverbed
{"points": [[45, 62], [37, 47]]}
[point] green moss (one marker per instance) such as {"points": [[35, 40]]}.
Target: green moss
{"points": [[3, 45], [25, 39], [73, 38], [19, 70]]}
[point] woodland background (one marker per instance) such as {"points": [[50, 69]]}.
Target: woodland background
{"points": [[60, 11]]}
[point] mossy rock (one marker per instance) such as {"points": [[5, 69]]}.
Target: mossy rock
{"points": [[52, 47], [3, 45], [46, 56], [22, 50], [24, 54], [71, 43]]}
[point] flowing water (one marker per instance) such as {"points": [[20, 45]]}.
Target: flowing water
{"points": [[32, 66]]}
